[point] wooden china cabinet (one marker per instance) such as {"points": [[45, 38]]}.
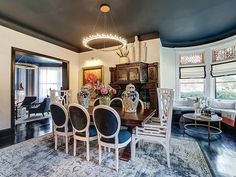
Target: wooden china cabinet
{"points": [[145, 77]]}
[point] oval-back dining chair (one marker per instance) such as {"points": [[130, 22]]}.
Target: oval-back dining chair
{"points": [[82, 130], [61, 123], [107, 122]]}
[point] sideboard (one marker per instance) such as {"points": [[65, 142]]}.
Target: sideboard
{"points": [[145, 77]]}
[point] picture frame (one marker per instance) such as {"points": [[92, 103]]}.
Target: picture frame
{"points": [[93, 75]]}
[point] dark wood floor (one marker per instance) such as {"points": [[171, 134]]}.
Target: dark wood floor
{"points": [[220, 154]]}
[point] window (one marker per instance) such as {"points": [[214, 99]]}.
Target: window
{"points": [[224, 54], [49, 78], [191, 88], [191, 59], [226, 87]]}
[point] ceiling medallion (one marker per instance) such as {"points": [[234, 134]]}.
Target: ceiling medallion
{"points": [[104, 8]]}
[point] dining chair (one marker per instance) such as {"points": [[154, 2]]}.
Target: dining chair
{"points": [[82, 130], [61, 123], [157, 129], [117, 102], [96, 102], [140, 107], [107, 122]]}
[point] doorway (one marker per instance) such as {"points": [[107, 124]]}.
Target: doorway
{"points": [[32, 76]]}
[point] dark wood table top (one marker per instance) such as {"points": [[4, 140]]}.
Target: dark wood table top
{"points": [[130, 119]]}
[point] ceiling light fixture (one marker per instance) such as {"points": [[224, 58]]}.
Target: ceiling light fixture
{"points": [[104, 9], [25, 65]]}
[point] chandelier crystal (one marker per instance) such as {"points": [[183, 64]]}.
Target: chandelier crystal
{"points": [[104, 8], [102, 36]]}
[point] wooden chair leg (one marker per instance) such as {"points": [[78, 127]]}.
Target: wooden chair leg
{"points": [[167, 148], [75, 145], [66, 144], [87, 149], [133, 148], [117, 158], [55, 141], [100, 154]]}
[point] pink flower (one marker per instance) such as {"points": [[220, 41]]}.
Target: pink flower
{"points": [[104, 91]]}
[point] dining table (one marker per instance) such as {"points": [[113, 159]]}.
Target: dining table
{"points": [[129, 120]]}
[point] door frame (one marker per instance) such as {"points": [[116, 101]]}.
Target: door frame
{"points": [[65, 76]]}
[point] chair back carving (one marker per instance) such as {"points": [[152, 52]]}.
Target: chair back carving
{"points": [[61, 96], [165, 102]]}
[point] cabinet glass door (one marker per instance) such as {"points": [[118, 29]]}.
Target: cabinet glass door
{"points": [[122, 75], [133, 74]]}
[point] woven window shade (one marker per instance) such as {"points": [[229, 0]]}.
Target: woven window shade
{"points": [[196, 72], [223, 69]]}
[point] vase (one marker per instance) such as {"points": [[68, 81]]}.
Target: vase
{"points": [[104, 100], [124, 60], [197, 109], [130, 98], [84, 98]]}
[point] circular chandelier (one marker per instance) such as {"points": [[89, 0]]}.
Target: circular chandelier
{"points": [[104, 8], [26, 66]]}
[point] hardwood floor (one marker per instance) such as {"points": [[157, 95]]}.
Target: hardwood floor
{"points": [[220, 154]]}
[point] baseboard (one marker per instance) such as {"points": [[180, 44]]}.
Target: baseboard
{"points": [[6, 132]]}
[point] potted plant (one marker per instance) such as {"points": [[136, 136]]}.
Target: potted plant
{"points": [[104, 93], [123, 54]]}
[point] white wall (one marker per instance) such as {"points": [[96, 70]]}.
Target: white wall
{"points": [[110, 59], [167, 68], [10, 38]]}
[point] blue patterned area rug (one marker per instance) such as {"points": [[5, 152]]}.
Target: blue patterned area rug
{"points": [[37, 157]]}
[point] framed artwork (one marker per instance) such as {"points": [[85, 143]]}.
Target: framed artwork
{"points": [[93, 75]]}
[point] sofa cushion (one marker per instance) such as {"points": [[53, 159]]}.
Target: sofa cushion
{"points": [[183, 108], [191, 101], [182, 102], [222, 104]]}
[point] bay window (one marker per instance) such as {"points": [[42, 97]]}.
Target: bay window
{"points": [[191, 88], [192, 75], [226, 87]]}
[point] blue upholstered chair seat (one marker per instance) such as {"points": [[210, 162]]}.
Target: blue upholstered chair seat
{"points": [[92, 132], [123, 136], [70, 129]]}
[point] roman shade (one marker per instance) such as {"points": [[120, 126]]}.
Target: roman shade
{"points": [[193, 72], [223, 69]]}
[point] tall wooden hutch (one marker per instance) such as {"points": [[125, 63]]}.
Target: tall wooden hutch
{"points": [[145, 77]]}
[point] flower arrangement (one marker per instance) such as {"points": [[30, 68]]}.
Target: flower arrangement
{"points": [[123, 52], [102, 90]]}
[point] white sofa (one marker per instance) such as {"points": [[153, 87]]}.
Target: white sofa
{"points": [[226, 109]]}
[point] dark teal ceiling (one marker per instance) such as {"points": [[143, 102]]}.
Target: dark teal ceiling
{"points": [[179, 23]]}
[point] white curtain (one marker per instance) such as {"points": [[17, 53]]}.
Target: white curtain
{"points": [[49, 78]]}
